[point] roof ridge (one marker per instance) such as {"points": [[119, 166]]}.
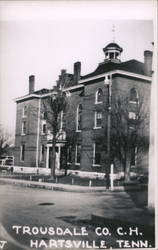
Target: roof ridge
{"points": [[132, 60]]}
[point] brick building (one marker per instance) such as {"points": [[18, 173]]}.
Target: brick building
{"points": [[87, 123]]}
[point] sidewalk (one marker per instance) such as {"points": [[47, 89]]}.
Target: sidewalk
{"points": [[123, 211], [64, 187]]}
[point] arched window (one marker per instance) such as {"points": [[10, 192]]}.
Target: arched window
{"points": [[133, 95], [79, 118], [99, 96]]}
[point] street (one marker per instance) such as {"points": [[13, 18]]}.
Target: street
{"points": [[33, 207], [64, 215]]}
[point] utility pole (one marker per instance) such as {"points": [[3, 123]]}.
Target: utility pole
{"points": [[108, 83]]}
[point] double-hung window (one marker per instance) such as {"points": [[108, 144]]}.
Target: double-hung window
{"points": [[22, 152], [24, 111], [69, 154], [42, 153], [133, 156], [134, 98], [78, 154], [79, 118], [132, 115], [43, 129], [96, 154], [23, 131], [98, 119]]}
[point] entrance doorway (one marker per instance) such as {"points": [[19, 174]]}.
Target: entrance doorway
{"points": [[60, 161]]}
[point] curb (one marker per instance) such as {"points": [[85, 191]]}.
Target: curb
{"points": [[52, 186], [65, 187]]}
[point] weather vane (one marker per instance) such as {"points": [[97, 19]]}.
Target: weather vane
{"points": [[113, 33]]}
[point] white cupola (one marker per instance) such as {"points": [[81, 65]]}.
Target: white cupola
{"points": [[113, 52]]}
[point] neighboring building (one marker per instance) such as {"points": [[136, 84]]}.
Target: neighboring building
{"points": [[83, 142]]}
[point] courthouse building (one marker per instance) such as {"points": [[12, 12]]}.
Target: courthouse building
{"points": [[83, 141]]}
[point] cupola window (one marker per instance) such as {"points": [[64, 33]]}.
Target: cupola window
{"points": [[111, 55]]}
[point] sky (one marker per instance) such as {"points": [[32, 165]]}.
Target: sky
{"points": [[43, 37]]}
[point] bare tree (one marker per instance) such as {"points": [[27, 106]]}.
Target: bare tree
{"points": [[4, 141], [128, 131], [54, 107]]}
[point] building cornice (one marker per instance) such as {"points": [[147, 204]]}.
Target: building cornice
{"points": [[31, 96], [113, 72], [26, 97], [81, 83], [74, 87]]}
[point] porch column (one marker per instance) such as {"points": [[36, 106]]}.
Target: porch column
{"points": [[47, 157], [59, 148]]}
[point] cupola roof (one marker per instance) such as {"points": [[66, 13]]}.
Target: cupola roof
{"points": [[113, 46]]}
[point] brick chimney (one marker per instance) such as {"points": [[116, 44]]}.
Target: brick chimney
{"points": [[62, 78], [148, 56], [77, 72], [31, 84]]}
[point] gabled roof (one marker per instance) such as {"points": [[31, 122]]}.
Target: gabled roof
{"points": [[132, 66]]}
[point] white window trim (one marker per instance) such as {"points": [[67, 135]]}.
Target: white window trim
{"points": [[41, 147], [95, 120], [41, 153], [68, 153], [136, 157], [22, 128], [96, 97], [108, 80], [93, 164], [43, 123], [61, 121], [77, 130], [77, 163], [21, 147], [132, 115], [23, 111], [135, 102]]}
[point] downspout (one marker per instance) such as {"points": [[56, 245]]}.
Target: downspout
{"points": [[38, 132], [108, 83]]}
